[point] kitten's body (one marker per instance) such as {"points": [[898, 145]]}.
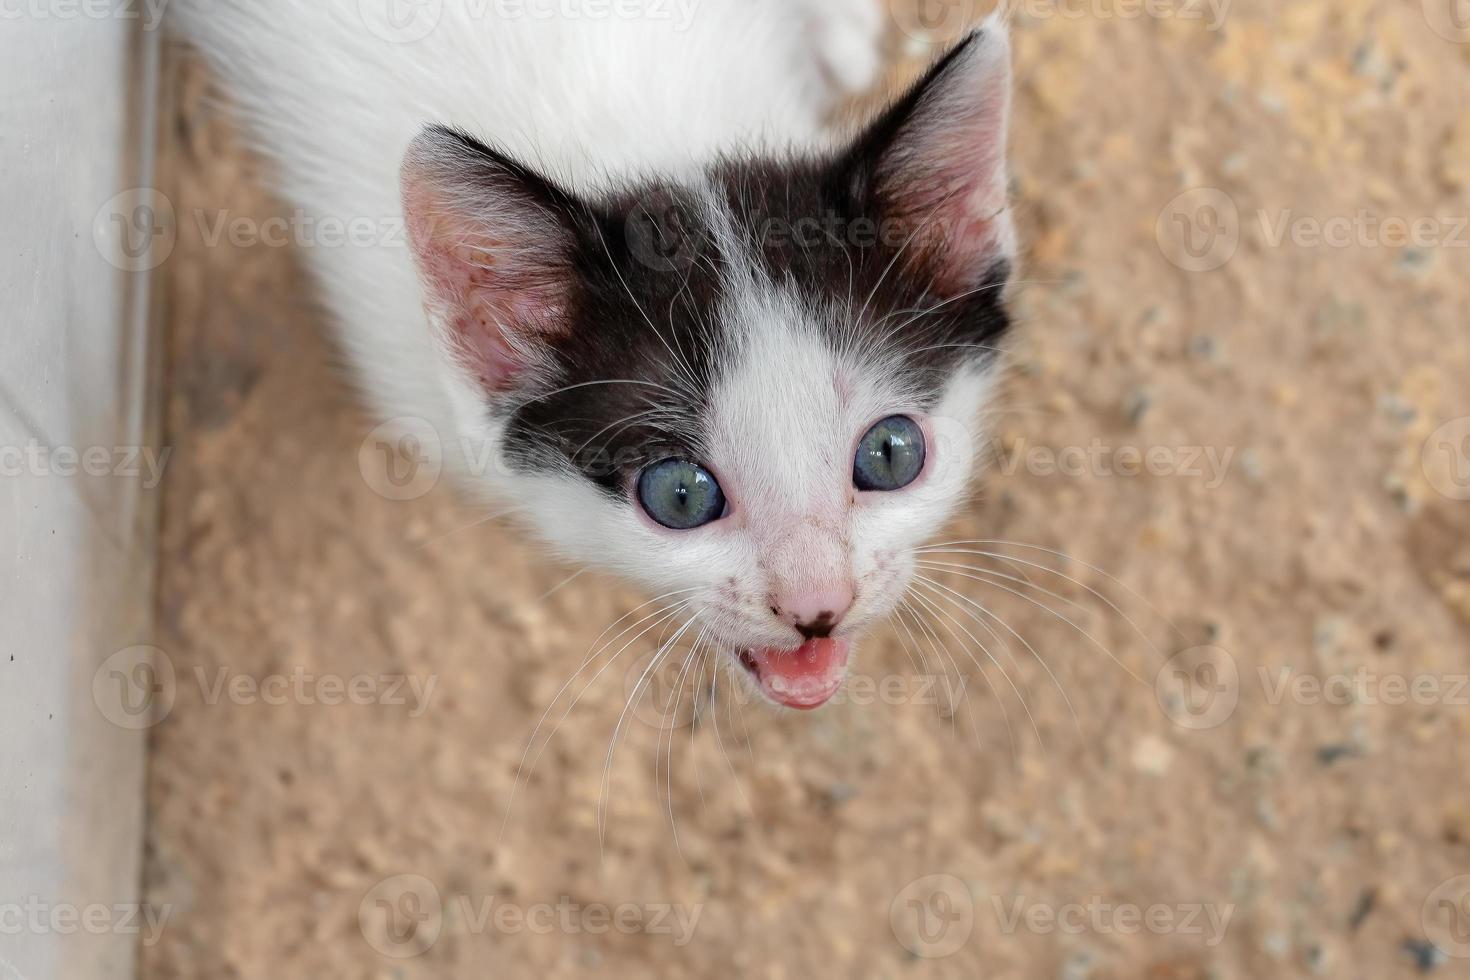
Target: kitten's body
{"points": [[557, 324], [334, 102]]}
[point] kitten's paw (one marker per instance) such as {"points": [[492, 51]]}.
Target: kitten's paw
{"points": [[849, 41]]}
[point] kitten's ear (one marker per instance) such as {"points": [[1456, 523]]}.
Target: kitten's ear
{"points": [[494, 243], [934, 165]]}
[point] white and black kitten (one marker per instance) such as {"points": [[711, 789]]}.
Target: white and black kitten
{"points": [[706, 345]]}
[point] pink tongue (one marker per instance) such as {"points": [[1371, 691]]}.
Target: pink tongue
{"points": [[803, 678]]}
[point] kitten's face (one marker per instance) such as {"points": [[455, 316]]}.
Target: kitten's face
{"points": [[752, 393]]}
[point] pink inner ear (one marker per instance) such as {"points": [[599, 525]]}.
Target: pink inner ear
{"points": [[946, 172], [495, 298], [484, 345]]}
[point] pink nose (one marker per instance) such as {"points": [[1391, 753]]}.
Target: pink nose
{"points": [[814, 613]]}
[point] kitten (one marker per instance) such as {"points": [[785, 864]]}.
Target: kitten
{"points": [[699, 341]]}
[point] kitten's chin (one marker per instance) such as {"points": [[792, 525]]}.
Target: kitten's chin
{"points": [[802, 678]]}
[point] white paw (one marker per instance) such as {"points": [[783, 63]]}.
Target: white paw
{"points": [[849, 41]]}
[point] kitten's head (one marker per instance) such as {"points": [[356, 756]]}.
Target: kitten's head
{"points": [[753, 392]]}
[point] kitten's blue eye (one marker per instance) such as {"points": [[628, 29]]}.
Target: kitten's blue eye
{"points": [[890, 456], [679, 494]]}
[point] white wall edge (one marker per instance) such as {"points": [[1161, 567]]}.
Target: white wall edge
{"points": [[80, 236]]}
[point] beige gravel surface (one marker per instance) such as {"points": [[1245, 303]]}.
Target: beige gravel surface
{"points": [[1232, 450]]}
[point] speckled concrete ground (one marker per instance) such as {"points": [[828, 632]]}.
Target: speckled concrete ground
{"points": [[1293, 530]]}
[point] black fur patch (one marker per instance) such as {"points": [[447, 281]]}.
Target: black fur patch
{"points": [[631, 369]]}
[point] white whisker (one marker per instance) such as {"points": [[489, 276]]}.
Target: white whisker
{"points": [[596, 652], [1060, 574], [934, 608], [617, 729], [1045, 608], [936, 643], [957, 598]]}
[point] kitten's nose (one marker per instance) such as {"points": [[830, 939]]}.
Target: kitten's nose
{"points": [[816, 613]]}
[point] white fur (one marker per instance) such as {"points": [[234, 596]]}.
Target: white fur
{"points": [[334, 91], [333, 94], [786, 418]]}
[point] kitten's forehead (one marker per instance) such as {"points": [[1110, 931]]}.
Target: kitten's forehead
{"points": [[783, 413], [711, 322]]}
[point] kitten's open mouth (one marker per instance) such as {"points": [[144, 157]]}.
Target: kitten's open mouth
{"points": [[803, 678]]}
